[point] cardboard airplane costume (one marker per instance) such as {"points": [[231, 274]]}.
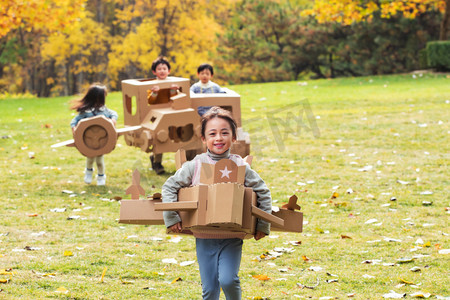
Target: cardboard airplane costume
{"points": [[95, 136], [220, 201], [171, 122]]}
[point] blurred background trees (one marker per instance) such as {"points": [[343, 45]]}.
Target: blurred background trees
{"points": [[59, 47]]}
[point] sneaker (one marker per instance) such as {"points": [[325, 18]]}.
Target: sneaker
{"points": [[101, 179], [157, 166], [88, 176]]}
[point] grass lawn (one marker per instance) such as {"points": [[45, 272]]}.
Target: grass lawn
{"points": [[368, 158]]}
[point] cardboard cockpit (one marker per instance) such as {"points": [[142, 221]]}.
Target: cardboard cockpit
{"points": [[171, 121], [220, 201], [95, 136]]}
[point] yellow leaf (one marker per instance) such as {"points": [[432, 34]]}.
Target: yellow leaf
{"points": [[261, 277], [5, 280], [103, 274], [305, 258], [68, 253], [62, 290], [176, 279], [125, 282], [405, 281]]}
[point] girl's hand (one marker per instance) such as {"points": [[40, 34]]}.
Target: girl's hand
{"points": [[259, 235], [176, 228], [155, 89]]}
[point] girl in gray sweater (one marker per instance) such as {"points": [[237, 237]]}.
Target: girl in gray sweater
{"points": [[218, 252]]}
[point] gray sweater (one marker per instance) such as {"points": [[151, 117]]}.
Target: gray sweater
{"points": [[183, 178]]}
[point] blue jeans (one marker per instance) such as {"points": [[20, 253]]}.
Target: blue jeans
{"points": [[219, 261]]}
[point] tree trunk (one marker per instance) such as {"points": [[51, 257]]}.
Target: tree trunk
{"points": [[445, 24]]}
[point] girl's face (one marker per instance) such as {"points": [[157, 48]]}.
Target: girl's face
{"points": [[218, 136], [161, 71]]}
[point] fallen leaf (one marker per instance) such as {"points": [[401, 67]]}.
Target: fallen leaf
{"points": [[415, 269], [371, 221], [169, 261], [394, 295], [124, 281], [334, 195], [187, 263], [29, 248], [405, 281], [103, 274], [295, 243], [306, 259], [403, 260], [343, 236], [261, 277], [61, 290], [68, 253], [32, 215], [5, 280], [176, 279], [402, 182], [315, 268], [420, 295]]}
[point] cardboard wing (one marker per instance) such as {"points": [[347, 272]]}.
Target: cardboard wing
{"points": [[141, 212], [222, 205]]}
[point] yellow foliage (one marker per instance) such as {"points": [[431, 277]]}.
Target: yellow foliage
{"points": [[38, 15], [349, 11]]}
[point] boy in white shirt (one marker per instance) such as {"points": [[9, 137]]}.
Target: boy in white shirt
{"points": [[205, 86]]}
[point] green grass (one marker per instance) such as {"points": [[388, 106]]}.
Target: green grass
{"points": [[359, 122]]}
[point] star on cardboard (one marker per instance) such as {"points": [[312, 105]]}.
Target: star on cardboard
{"points": [[225, 172]]}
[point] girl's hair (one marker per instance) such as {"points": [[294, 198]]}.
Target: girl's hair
{"points": [[160, 60], [218, 112], [93, 99]]}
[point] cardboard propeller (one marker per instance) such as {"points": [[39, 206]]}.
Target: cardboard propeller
{"points": [[95, 136]]}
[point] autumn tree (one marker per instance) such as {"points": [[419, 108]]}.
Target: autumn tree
{"points": [[350, 11], [183, 31], [23, 26]]}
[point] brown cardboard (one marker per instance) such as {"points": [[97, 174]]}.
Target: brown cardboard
{"points": [[180, 158], [293, 220], [224, 170], [248, 219], [224, 205], [170, 122], [140, 212], [197, 193], [178, 206], [135, 189], [230, 100], [241, 148], [95, 136]]}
